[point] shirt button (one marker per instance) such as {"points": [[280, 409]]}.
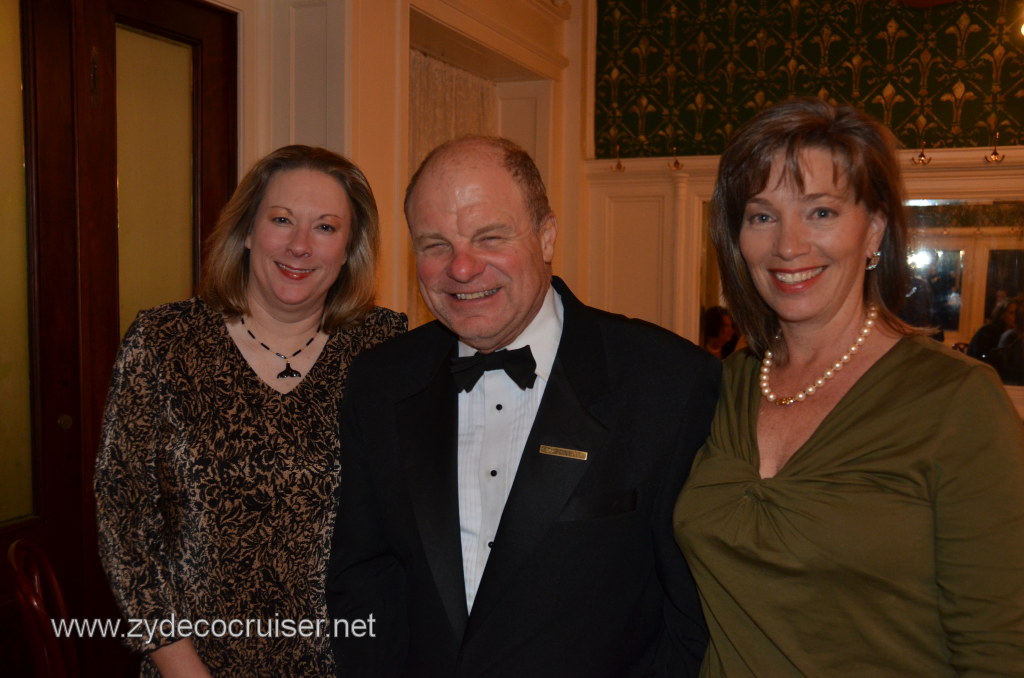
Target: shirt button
{"points": [[493, 473], [498, 407], [490, 544]]}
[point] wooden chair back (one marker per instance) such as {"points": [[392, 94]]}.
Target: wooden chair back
{"points": [[40, 600]]}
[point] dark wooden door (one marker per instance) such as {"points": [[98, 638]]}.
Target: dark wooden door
{"points": [[69, 64]]}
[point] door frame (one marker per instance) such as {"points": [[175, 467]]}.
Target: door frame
{"points": [[68, 61]]}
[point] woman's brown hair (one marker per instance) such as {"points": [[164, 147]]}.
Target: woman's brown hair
{"points": [[863, 156]]}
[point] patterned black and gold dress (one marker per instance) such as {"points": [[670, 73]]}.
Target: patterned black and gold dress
{"points": [[216, 493]]}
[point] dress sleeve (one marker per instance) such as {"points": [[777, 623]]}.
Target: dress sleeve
{"points": [[978, 492], [398, 323], [384, 324], [132, 542]]}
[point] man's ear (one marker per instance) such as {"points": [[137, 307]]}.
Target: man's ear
{"points": [[548, 231]]}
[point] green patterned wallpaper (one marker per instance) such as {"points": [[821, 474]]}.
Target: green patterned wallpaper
{"points": [[684, 74]]}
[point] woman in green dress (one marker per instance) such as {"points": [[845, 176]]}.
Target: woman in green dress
{"points": [[857, 509]]}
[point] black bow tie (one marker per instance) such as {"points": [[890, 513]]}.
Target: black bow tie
{"points": [[518, 364]]}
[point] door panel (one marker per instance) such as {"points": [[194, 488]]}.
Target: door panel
{"points": [[15, 409], [155, 230], [16, 495], [71, 173], [49, 232]]}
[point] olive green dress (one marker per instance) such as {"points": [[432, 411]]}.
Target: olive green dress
{"points": [[891, 543], [216, 494]]}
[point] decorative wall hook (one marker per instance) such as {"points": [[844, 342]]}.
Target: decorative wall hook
{"points": [[921, 158], [675, 165], [995, 155], [618, 166]]}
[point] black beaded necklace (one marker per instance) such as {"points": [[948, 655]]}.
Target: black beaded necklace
{"points": [[288, 372]]}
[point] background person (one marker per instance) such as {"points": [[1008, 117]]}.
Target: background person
{"points": [[215, 483], [1015, 330], [719, 332], [857, 509], [513, 525], [1003, 318], [1008, 355]]}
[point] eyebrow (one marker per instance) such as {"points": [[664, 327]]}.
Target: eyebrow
{"points": [[289, 211], [805, 197], [431, 234], [819, 196], [497, 226], [483, 230]]}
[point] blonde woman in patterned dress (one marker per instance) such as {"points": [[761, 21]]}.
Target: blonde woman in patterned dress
{"points": [[216, 478]]}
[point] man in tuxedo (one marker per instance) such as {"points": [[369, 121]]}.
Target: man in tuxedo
{"points": [[509, 470]]}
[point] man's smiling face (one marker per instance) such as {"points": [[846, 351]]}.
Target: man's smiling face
{"points": [[483, 265]]}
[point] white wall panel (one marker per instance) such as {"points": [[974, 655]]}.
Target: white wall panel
{"points": [[646, 238], [308, 73], [631, 246]]}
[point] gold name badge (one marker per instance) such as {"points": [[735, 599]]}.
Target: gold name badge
{"points": [[563, 452]]}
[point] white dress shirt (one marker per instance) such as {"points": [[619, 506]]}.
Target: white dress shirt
{"points": [[495, 419]]}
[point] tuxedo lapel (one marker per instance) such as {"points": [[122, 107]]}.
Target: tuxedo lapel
{"points": [[428, 438], [569, 417]]}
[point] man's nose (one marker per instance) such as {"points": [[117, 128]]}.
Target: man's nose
{"points": [[464, 265]]}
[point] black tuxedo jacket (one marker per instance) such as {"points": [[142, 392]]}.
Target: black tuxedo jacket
{"points": [[584, 578]]}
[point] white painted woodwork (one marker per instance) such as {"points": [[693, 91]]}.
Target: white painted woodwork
{"points": [[335, 73], [646, 238], [650, 205]]}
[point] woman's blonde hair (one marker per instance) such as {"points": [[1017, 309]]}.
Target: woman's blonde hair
{"points": [[226, 265]]}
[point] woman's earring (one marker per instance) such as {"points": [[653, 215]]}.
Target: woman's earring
{"points": [[873, 261]]}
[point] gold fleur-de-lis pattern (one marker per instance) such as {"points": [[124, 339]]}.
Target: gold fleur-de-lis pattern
{"points": [[679, 76]]}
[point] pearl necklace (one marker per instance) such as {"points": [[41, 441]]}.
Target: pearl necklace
{"points": [[766, 366]]}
